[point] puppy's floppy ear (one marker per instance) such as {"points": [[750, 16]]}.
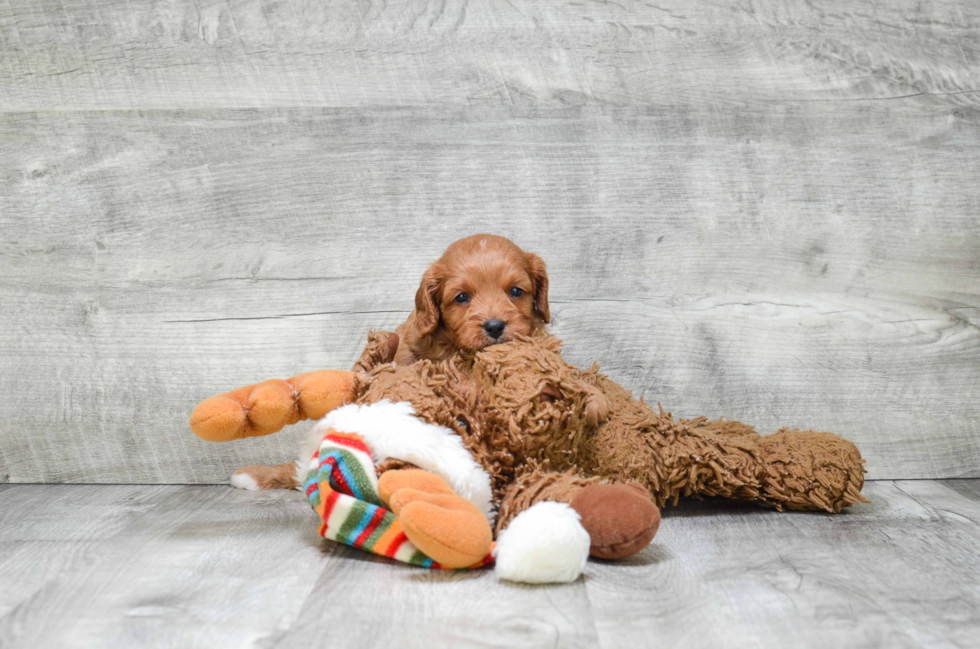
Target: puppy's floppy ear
{"points": [[539, 275], [427, 312]]}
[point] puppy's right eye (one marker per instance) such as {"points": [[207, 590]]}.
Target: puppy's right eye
{"points": [[462, 298]]}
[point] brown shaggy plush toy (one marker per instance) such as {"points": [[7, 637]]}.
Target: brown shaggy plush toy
{"points": [[545, 431]]}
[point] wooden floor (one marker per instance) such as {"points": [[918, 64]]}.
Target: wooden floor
{"points": [[211, 566]]}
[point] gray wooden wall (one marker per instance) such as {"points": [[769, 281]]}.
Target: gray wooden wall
{"points": [[767, 211]]}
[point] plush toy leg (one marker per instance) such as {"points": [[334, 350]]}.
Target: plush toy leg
{"points": [[538, 485], [265, 408], [620, 519], [810, 470], [446, 527], [712, 458], [788, 470]]}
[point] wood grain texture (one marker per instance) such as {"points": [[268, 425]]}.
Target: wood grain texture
{"points": [[718, 265], [170, 573], [137, 566], [765, 211], [738, 576], [141, 55], [383, 603]]}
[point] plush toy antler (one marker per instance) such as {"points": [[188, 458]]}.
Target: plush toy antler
{"points": [[268, 407], [265, 408]]}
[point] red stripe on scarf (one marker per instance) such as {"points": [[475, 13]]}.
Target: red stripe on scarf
{"points": [[375, 520], [328, 505], [338, 478], [350, 442], [397, 543]]}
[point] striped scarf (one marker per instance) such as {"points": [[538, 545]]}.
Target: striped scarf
{"points": [[342, 487]]}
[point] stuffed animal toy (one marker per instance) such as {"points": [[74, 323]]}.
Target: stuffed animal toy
{"points": [[564, 461]]}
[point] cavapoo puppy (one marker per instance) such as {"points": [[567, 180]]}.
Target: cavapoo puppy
{"points": [[483, 290]]}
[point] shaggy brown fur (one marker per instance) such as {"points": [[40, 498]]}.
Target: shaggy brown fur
{"points": [[478, 280], [543, 429]]}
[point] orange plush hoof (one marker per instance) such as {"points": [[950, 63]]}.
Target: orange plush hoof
{"points": [[446, 527]]}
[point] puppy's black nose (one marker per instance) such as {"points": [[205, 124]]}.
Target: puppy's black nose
{"points": [[494, 328]]}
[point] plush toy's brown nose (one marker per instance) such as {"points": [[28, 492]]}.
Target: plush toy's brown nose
{"points": [[494, 328]]}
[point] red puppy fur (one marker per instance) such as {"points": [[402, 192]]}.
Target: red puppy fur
{"points": [[483, 290]]}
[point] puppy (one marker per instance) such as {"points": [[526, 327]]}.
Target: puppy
{"points": [[483, 290]]}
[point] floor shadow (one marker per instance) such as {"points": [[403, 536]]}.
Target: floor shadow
{"points": [[714, 507], [648, 556], [693, 507]]}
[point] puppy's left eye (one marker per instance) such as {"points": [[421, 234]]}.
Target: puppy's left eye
{"points": [[516, 292]]}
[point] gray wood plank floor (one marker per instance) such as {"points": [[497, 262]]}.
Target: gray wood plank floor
{"points": [[211, 566]]}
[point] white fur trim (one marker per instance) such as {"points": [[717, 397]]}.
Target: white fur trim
{"points": [[244, 481], [310, 445], [391, 430], [544, 544]]}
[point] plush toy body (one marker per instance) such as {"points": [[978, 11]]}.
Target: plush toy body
{"points": [[541, 431]]}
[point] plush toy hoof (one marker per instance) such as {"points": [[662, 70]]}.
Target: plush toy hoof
{"points": [[620, 518], [446, 527], [808, 470], [543, 544]]}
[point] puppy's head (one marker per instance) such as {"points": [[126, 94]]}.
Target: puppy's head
{"points": [[483, 290]]}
